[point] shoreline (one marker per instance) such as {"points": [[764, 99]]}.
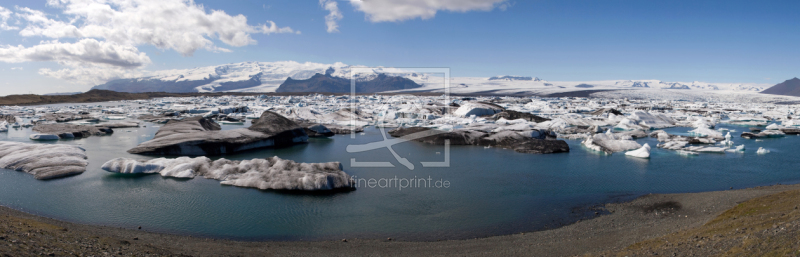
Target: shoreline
{"points": [[646, 217]]}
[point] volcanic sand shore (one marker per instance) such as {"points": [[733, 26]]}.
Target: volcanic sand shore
{"points": [[656, 223]]}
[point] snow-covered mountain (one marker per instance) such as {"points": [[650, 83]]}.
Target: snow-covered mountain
{"points": [[268, 76], [512, 78], [246, 76]]}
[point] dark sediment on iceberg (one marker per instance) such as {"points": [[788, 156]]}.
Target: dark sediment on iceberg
{"points": [[201, 136], [506, 139], [71, 130]]}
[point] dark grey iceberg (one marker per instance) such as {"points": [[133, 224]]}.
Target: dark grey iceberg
{"points": [[266, 174], [44, 161], [763, 134], [514, 115], [10, 119], [197, 136], [66, 131], [505, 139]]}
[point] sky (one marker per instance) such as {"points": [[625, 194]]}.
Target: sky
{"points": [[71, 45]]}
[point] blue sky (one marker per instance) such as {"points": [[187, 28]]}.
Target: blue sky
{"points": [[712, 41]]}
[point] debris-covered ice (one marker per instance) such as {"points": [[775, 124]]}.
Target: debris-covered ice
{"points": [[44, 161], [271, 173]]}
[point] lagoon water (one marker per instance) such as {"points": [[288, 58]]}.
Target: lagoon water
{"points": [[491, 191]]}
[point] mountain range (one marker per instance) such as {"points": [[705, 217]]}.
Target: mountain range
{"points": [[789, 87], [330, 84]]}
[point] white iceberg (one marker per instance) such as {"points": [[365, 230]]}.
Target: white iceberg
{"points": [[773, 126], [643, 152], [762, 150], [654, 121], [609, 143], [271, 173], [478, 109], [626, 124], [706, 132]]}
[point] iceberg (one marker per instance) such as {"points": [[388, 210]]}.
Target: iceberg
{"points": [[762, 150], [200, 136], [706, 132], [773, 126], [43, 161], [43, 137], [654, 121], [477, 109], [266, 174], [674, 145], [523, 143], [609, 142], [763, 134], [643, 152], [705, 149], [72, 131], [626, 124]]}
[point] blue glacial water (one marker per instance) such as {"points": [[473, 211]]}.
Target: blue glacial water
{"points": [[491, 191]]}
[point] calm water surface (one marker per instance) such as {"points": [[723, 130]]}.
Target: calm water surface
{"points": [[491, 191]]}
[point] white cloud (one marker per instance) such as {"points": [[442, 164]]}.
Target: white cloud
{"points": [[91, 75], [400, 10], [334, 15], [5, 15], [40, 25], [102, 35], [83, 52], [181, 25], [87, 61]]}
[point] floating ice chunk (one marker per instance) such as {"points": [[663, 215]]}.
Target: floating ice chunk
{"points": [[686, 153], [553, 124], [589, 143], [43, 137], [702, 123], [643, 152], [608, 143], [762, 150], [674, 145], [773, 126], [626, 124], [509, 122], [514, 127], [738, 149], [654, 121], [706, 132], [477, 109], [271, 173], [705, 149], [44, 161]]}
